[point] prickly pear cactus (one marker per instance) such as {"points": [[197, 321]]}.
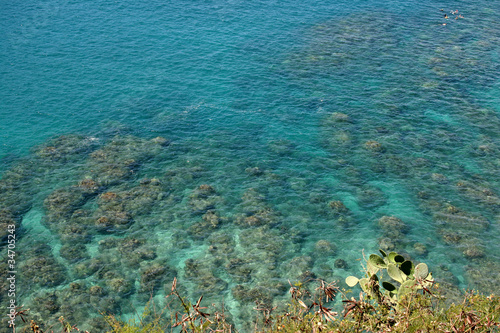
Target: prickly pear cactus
{"points": [[409, 278]]}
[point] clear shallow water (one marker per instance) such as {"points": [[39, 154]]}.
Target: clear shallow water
{"points": [[309, 121]]}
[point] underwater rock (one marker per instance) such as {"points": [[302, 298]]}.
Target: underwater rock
{"points": [[96, 291], [246, 294], [4, 283], [212, 218], [344, 221], [472, 248], [386, 244], [111, 221], [47, 304], [139, 256], [338, 207], [62, 202], [118, 284], [201, 273], [262, 217], [210, 222], [109, 198], [439, 178], [324, 247], [397, 165], [263, 244], [74, 252], [15, 192], [370, 196], [66, 146], [111, 214], [180, 239], [141, 199], [88, 267], [97, 324], [181, 177], [298, 266], [479, 193], [43, 270], [341, 263], [89, 186], [150, 181], [108, 243], [450, 237], [7, 219], [256, 211], [255, 171], [420, 249], [129, 244], [449, 292], [204, 191], [221, 246], [112, 173], [424, 195], [194, 268], [450, 216], [133, 252], [325, 271], [337, 117], [307, 276], [377, 166], [74, 233], [153, 276], [253, 201], [483, 274], [110, 304], [485, 149], [392, 226], [120, 158], [161, 141], [336, 48], [14, 197], [75, 294], [338, 141], [203, 198], [239, 269], [374, 146], [281, 147]]}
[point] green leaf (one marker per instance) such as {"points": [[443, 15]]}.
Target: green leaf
{"points": [[388, 286], [395, 273], [377, 261], [383, 253], [406, 288], [421, 271], [371, 268], [390, 257], [351, 281], [407, 267], [399, 258], [428, 281], [365, 285]]}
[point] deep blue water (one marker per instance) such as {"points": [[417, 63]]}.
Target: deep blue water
{"points": [[309, 120]]}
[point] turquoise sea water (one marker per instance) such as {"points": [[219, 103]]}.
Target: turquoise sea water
{"points": [[238, 145]]}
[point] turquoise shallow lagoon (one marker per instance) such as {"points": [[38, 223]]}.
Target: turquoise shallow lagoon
{"points": [[238, 145]]}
